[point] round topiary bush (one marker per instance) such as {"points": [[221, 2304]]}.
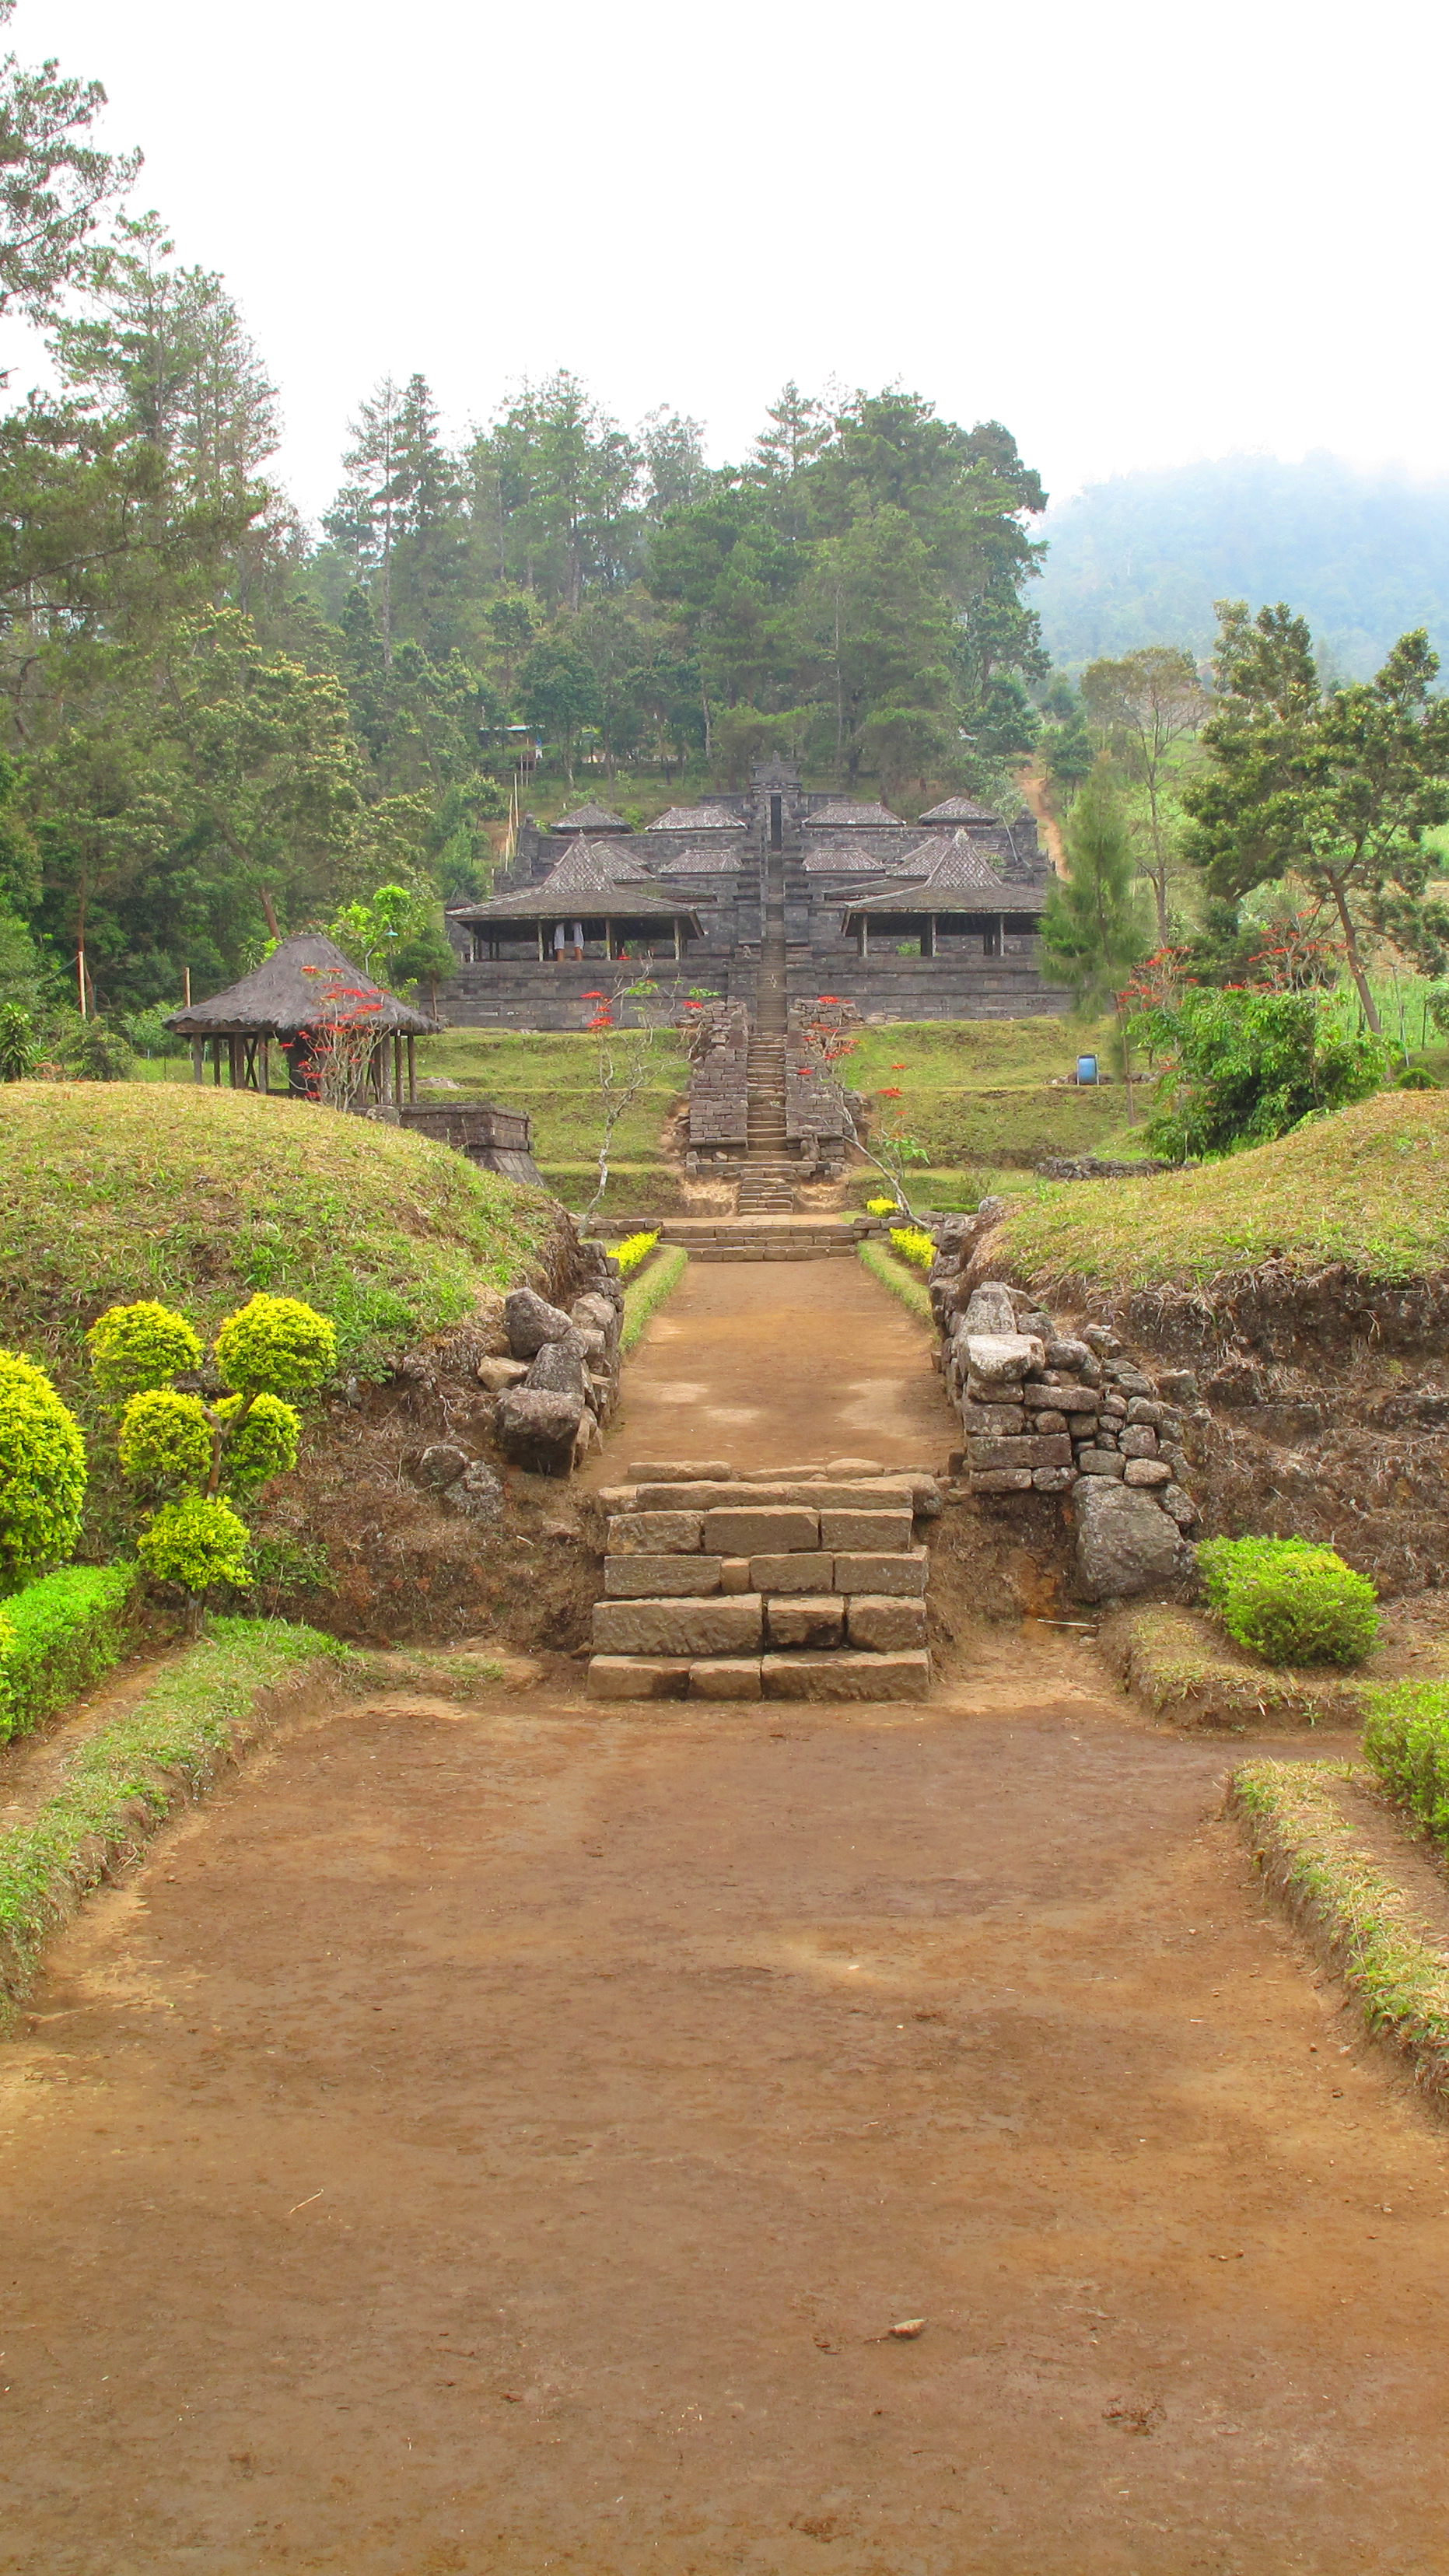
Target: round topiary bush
{"points": [[276, 1346], [135, 1348], [164, 1441], [263, 1444], [197, 1544], [42, 1472], [1289, 1601]]}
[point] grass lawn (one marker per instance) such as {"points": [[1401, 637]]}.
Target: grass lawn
{"points": [[109, 1193], [978, 1093], [1368, 1186]]}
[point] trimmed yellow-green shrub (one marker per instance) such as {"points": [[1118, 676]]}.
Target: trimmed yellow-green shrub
{"points": [[42, 1472], [198, 1544], [164, 1442], [909, 1244], [884, 1207], [1291, 1602], [136, 1348], [58, 1635], [276, 1346], [634, 1249], [263, 1442]]}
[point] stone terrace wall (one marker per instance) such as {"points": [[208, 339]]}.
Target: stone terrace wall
{"points": [[719, 1082]]}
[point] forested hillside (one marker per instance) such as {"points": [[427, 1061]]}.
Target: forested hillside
{"points": [[1140, 560], [222, 726]]}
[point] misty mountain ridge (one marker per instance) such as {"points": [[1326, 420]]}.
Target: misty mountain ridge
{"points": [[1362, 554]]}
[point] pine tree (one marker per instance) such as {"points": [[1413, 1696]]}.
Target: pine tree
{"points": [[1094, 927]]}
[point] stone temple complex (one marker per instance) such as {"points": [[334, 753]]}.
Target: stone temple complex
{"points": [[765, 898]]}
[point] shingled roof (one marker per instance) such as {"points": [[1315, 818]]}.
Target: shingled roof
{"points": [[959, 809], [962, 869], [695, 818], [836, 858], [289, 992], [846, 814], [695, 862], [590, 818], [592, 878]]}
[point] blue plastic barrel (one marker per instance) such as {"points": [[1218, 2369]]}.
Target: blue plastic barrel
{"points": [[1086, 1068]]}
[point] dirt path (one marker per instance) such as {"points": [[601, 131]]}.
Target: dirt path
{"points": [[503, 2140], [781, 1363]]}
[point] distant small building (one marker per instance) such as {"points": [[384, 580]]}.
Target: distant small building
{"points": [[294, 1000]]}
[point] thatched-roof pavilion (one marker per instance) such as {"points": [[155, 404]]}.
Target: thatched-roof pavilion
{"points": [[306, 989]]}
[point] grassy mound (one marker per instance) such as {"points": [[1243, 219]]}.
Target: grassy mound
{"points": [[1368, 1186], [981, 1092], [113, 1191]]}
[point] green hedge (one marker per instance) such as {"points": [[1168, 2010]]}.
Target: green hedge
{"points": [[58, 1635], [1290, 1601], [649, 1289], [1406, 1738]]}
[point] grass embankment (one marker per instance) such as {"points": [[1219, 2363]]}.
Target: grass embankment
{"points": [[553, 1078], [900, 1279], [657, 1280], [1313, 1856], [978, 1094], [1368, 1186], [109, 1192], [122, 1784]]}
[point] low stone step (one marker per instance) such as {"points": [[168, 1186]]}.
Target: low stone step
{"points": [[823, 1677]]}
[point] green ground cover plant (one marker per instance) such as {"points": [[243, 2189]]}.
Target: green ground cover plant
{"points": [[1368, 1186], [1406, 1738], [107, 1198], [646, 1292], [121, 1784], [42, 1471], [1290, 1601], [903, 1283], [633, 1252], [911, 1245], [1349, 1905], [59, 1635]]}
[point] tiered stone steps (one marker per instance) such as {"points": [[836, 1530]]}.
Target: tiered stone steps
{"points": [[757, 1238], [797, 1583]]}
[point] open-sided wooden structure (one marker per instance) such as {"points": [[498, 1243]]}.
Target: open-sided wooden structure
{"points": [[305, 986]]}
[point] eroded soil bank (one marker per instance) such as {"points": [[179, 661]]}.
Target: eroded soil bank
{"points": [[504, 2140]]}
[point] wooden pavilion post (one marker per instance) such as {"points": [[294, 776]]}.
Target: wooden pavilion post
{"points": [[412, 1069], [540, 943], [678, 951], [216, 1064], [198, 1059]]}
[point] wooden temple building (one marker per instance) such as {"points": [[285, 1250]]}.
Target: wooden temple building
{"points": [[288, 1002]]}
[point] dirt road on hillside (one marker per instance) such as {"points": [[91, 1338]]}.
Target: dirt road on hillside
{"points": [[480, 2143]]}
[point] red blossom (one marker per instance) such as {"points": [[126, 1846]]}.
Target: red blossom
{"points": [[890, 1095]]}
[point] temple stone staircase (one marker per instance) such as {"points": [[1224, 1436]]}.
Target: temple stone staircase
{"points": [[767, 1181], [799, 1583]]}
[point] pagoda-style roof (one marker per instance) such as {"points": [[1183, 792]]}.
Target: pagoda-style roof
{"points": [[591, 818], [592, 881], [959, 809], [962, 879], [840, 859], [695, 862], [695, 818], [288, 993], [845, 814]]}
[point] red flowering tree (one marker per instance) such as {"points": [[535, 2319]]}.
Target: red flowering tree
{"points": [[343, 1039]]}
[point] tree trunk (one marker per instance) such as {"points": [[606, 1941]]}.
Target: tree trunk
{"points": [[1355, 962]]}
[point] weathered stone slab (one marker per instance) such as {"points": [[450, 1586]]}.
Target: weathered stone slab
{"points": [[530, 1321], [497, 1374], [637, 1677], [990, 1309], [885, 1625], [1000, 1480], [659, 1471], [648, 1578], [760, 1529], [725, 1677], [1002, 1359], [724, 1624], [812, 1619], [810, 1493], [1147, 1471], [886, 1530], [1099, 1462], [846, 1676], [808, 1571], [994, 1421], [735, 1575], [537, 1428], [654, 1533], [1125, 1545], [1053, 1449], [1053, 1480], [1137, 1440], [1062, 1399], [873, 1570]]}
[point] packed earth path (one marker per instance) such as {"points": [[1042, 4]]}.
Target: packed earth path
{"points": [[710, 2138]]}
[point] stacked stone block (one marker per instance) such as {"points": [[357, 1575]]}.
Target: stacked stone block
{"points": [[803, 1585], [719, 1084]]}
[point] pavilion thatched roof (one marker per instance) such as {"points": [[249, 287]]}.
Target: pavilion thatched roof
{"points": [[288, 992], [593, 881], [847, 814], [696, 861], [696, 818], [590, 818], [960, 879], [959, 809]]}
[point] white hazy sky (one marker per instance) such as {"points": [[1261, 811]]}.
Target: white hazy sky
{"points": [[1137, 233]]}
